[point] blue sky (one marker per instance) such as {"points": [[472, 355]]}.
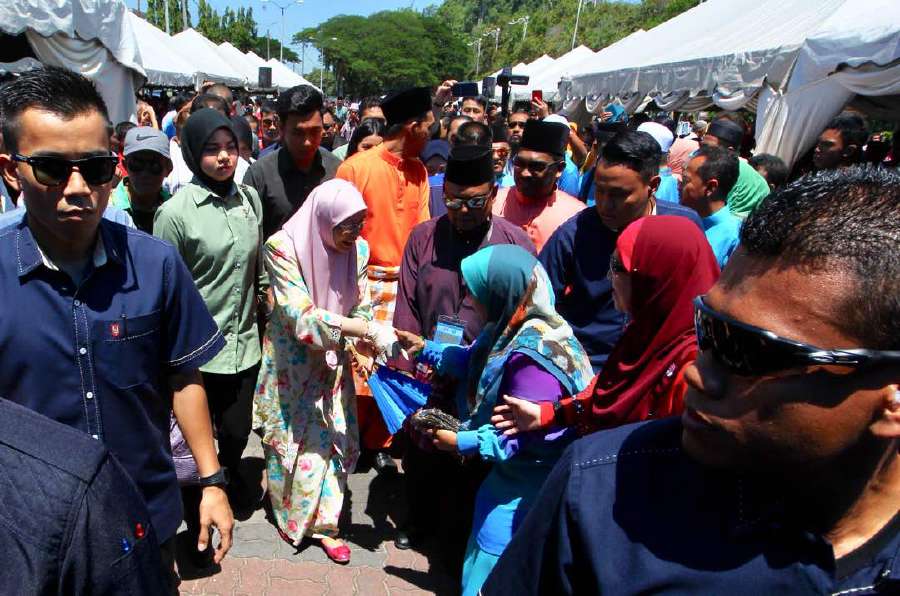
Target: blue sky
{"points": [[298, 17]]}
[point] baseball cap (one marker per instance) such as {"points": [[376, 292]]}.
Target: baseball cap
{"points": [[435, 147], [662, 135], [146, 138]]}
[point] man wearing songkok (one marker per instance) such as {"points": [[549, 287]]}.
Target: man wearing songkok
{"points": [[577, 255], [782, 476], [394, 184], [535, 203], [432, 297], [751, 187]]}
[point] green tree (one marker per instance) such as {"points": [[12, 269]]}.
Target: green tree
{"points": [[156, 15]]}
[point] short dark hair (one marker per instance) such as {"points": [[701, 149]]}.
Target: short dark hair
{"points": [[122, 129], [481, 99], [208, 100], [847, 218], [853, 129], [302, 100], [776, 170], [366, 128], [268, 106], [369, 102], [51, 89], [635, 150], [474, 133], [721, 164], [329, 111], [179, 101]]}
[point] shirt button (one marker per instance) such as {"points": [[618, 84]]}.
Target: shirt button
{"points": [[78, 303], [89, 395], [82, 351]]}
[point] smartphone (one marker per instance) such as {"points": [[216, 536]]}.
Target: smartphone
{"points": [[537, 95], [464, 89]]}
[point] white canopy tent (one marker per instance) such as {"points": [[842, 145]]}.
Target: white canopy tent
{"points": [[163, 65], [206, 59], [240, 62], [284, 78], [720, 52], [547, 79], [856, 51], [92, 37]]}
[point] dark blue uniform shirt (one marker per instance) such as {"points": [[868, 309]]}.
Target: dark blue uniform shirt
{"points": [[576, 258], [97, 357], [626, 511], [71, 520]]}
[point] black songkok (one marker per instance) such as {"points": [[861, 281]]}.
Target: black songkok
{"points": [[545, 137], [404, 105], [730, 133], [500, 132], [470, 165]]}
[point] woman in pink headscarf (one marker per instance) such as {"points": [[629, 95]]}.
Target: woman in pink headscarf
{"points": [[304, 407]]}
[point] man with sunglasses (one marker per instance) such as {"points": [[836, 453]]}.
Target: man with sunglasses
{"points": [[432, 296], [783, 473], [147, 162], [104, 329], [535, 203]]}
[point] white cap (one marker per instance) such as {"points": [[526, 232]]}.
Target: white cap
{"points": [[557, 118], [660, 134], [354, 107]]}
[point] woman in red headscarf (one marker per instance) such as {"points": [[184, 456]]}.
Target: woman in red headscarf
{"points": [[660, 264]]}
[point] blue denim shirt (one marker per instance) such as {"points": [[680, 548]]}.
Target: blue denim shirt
{"points": [[626, 511], [97, 357], [71, 520]]}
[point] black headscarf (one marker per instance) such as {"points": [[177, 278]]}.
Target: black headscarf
{"points": [[196, 132]]}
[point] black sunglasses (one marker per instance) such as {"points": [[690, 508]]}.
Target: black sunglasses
{"points": [[471, 203], [754, 351], [535, 167], [54, 171]]}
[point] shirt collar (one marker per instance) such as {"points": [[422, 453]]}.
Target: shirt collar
{"points": [[30, 256], [718, 217], [394, 160], [207, 194]]}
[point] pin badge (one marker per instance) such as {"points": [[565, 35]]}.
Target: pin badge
{"points": [[139, 531], [115, 329], [126, 546]]}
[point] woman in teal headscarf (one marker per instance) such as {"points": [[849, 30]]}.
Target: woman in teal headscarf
{"points": [[526, 346]]}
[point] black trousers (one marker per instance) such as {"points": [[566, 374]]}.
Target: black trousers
{"points": [[231, 405]]}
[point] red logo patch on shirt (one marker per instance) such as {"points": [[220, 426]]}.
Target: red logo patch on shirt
{"points": [[115, 329]]}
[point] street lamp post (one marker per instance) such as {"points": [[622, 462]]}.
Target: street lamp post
{"points": [[577, 19], [522, 21], [282, 8]]}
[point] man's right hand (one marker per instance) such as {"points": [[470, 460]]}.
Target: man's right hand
{"points": [[444, 93]]}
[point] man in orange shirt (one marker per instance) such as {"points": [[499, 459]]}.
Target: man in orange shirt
{"points": [[394, 184], [534, 202]]}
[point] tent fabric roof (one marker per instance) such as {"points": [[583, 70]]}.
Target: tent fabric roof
{"points": [[547, 78], [735, 44], [240, 62], [284, 78], [163, 65], [206, 59]]}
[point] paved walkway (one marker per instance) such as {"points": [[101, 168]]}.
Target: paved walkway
{"points": [[261, 564]]}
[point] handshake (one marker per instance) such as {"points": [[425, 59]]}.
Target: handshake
{"points": [[390, 343]]}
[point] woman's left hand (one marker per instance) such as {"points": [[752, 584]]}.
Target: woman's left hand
{"points": [[444, 440]]}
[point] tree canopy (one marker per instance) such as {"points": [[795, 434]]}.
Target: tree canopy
{"points": [[387, 50]]}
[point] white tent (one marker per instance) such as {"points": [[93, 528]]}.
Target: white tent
{"points": [[161, 62], [284, 78], [720, 50], [204, 56], [240, 62], [547, 78], [856, 51], [88, 36]]}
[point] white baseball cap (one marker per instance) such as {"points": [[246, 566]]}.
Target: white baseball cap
{"points": [[662, 135]]}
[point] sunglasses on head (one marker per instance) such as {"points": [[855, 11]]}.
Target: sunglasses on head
{"points": [[535, 167], [96, 170], [471, 203], [754, 351]]}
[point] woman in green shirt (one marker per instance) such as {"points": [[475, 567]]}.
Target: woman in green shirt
{"points": [[216, 225]]}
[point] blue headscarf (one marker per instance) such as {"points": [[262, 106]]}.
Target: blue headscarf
{"points": [[516, 293], [618, 113]]}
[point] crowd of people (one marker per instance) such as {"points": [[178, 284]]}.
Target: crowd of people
{"points": [[652, 360]]}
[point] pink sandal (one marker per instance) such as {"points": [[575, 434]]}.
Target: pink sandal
{"points": [[338, 554]]}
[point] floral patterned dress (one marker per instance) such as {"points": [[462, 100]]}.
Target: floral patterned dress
{"points": [[304, 407]]}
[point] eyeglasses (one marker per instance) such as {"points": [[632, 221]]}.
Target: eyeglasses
{"points": [[753, 351], [350, 227], [54, 171], [327, 126], [535, 167], [138, 166], [501, 153], [268, 122], [471, 203]]}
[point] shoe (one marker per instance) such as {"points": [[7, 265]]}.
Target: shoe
{"points": [[338, 554], [384, 463], [403, 541]]}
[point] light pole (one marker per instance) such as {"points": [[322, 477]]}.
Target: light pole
{"points": [[282, 7], [577, 19], [522, 21]]}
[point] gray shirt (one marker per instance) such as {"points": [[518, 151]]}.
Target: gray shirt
{"points": [[282, 187]]}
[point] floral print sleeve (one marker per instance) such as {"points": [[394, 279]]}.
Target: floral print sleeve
{"points": [[312, 326], [363, 310]]}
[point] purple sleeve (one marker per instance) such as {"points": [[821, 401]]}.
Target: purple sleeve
{"points": [[406, 312], [526, 379]]}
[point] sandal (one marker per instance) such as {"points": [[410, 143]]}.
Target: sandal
{"points": [[339, 554]]}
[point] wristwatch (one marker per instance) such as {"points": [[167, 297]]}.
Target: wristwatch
{"points": [[219, 478]]}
